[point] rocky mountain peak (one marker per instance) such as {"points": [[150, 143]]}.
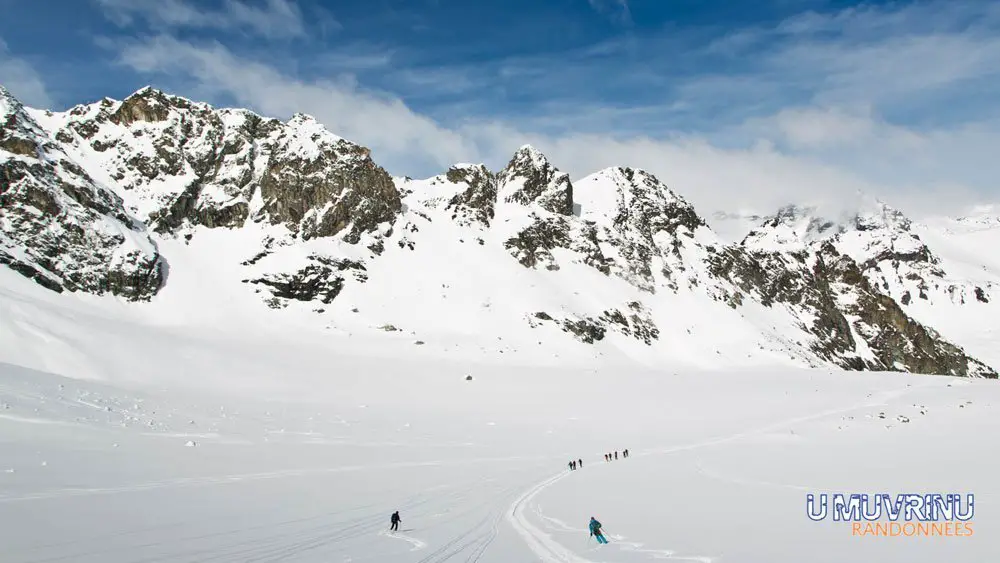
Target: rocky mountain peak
{"points": [[18, 133], [882, 216], [147, 104], [7, 102], [791, 228], [60, 227], [529, 178], [637, 197]]}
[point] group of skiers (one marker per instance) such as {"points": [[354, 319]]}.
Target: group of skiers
{"points": [[578, 463], [614, 456], [596, 530]]}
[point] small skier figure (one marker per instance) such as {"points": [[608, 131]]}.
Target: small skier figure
{"points": [[595, 530], [579, 463], [616, 455], [572, 465], [395, 521], [626, 453]]}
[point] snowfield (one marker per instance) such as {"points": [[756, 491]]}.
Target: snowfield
{"points": [[128, 436]]}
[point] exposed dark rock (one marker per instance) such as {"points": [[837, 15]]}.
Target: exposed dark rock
{"points": [[322, 280], [585, 330], [477, 203], [533, 245], [28, 271], [897, 341], [19, 146], [148, 105], [307, 284], [70, 229], [296, 192], [540, 182]]}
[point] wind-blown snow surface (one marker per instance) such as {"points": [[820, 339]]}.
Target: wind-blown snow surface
{"points": [[301, 446]]}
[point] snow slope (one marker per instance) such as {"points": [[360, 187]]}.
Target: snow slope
{"points": [[204, 445]]}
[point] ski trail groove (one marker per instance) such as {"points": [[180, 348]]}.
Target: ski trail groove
{"points": [[417, 543], [549, 550]]}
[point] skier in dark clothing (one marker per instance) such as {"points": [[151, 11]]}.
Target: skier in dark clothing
{"points": [[395, 521], [579, 463], [616, 455], [626, 453], [595, 530], [572, 465]]}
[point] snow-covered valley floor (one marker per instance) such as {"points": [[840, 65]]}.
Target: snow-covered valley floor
{"points": [[301, 453]]}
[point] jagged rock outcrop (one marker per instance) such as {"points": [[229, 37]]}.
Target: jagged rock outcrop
{"points": [[855, 325], [631, 226], [185, 163], [791, 228], [476, 203], [322, 279], [529, 178], [636, 322], [61, 228]]}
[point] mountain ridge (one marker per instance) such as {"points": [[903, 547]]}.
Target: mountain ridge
{"points": [[626, 253]]}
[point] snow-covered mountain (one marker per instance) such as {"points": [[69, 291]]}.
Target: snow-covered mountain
{"points": [[263, 221], [941, 273]]}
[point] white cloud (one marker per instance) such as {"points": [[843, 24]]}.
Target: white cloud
{"points": [[820, 148], [382, 122], [21, 79], [271, 19]]}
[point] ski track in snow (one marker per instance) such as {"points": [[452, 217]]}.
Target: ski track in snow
{"points": [[548, 550], [223, 479], [417, 543]]}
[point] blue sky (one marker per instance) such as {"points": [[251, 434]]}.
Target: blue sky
{"points": [[733, 103]]}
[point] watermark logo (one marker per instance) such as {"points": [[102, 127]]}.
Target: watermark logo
{"points": [[902, 515]]}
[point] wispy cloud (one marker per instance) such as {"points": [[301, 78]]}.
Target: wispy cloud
{"points": [[270, 18], [382, 122], [617, 10], [20, 77], [811, 109]]}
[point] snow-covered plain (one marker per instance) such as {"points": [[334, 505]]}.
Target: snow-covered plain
{"points": [[127, 436]]}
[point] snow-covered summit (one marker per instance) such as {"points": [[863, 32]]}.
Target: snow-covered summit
{"points": [[269, 220], [792, 228], [183, 163], [529, 178]]}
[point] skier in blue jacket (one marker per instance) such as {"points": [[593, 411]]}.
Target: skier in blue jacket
{"points": [[595, 530]]}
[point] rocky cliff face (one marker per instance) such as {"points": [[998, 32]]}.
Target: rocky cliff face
{"points": [[181, 163], [627, 259], [476, 202], [59, 226], [529, 178], [853, 324]]}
